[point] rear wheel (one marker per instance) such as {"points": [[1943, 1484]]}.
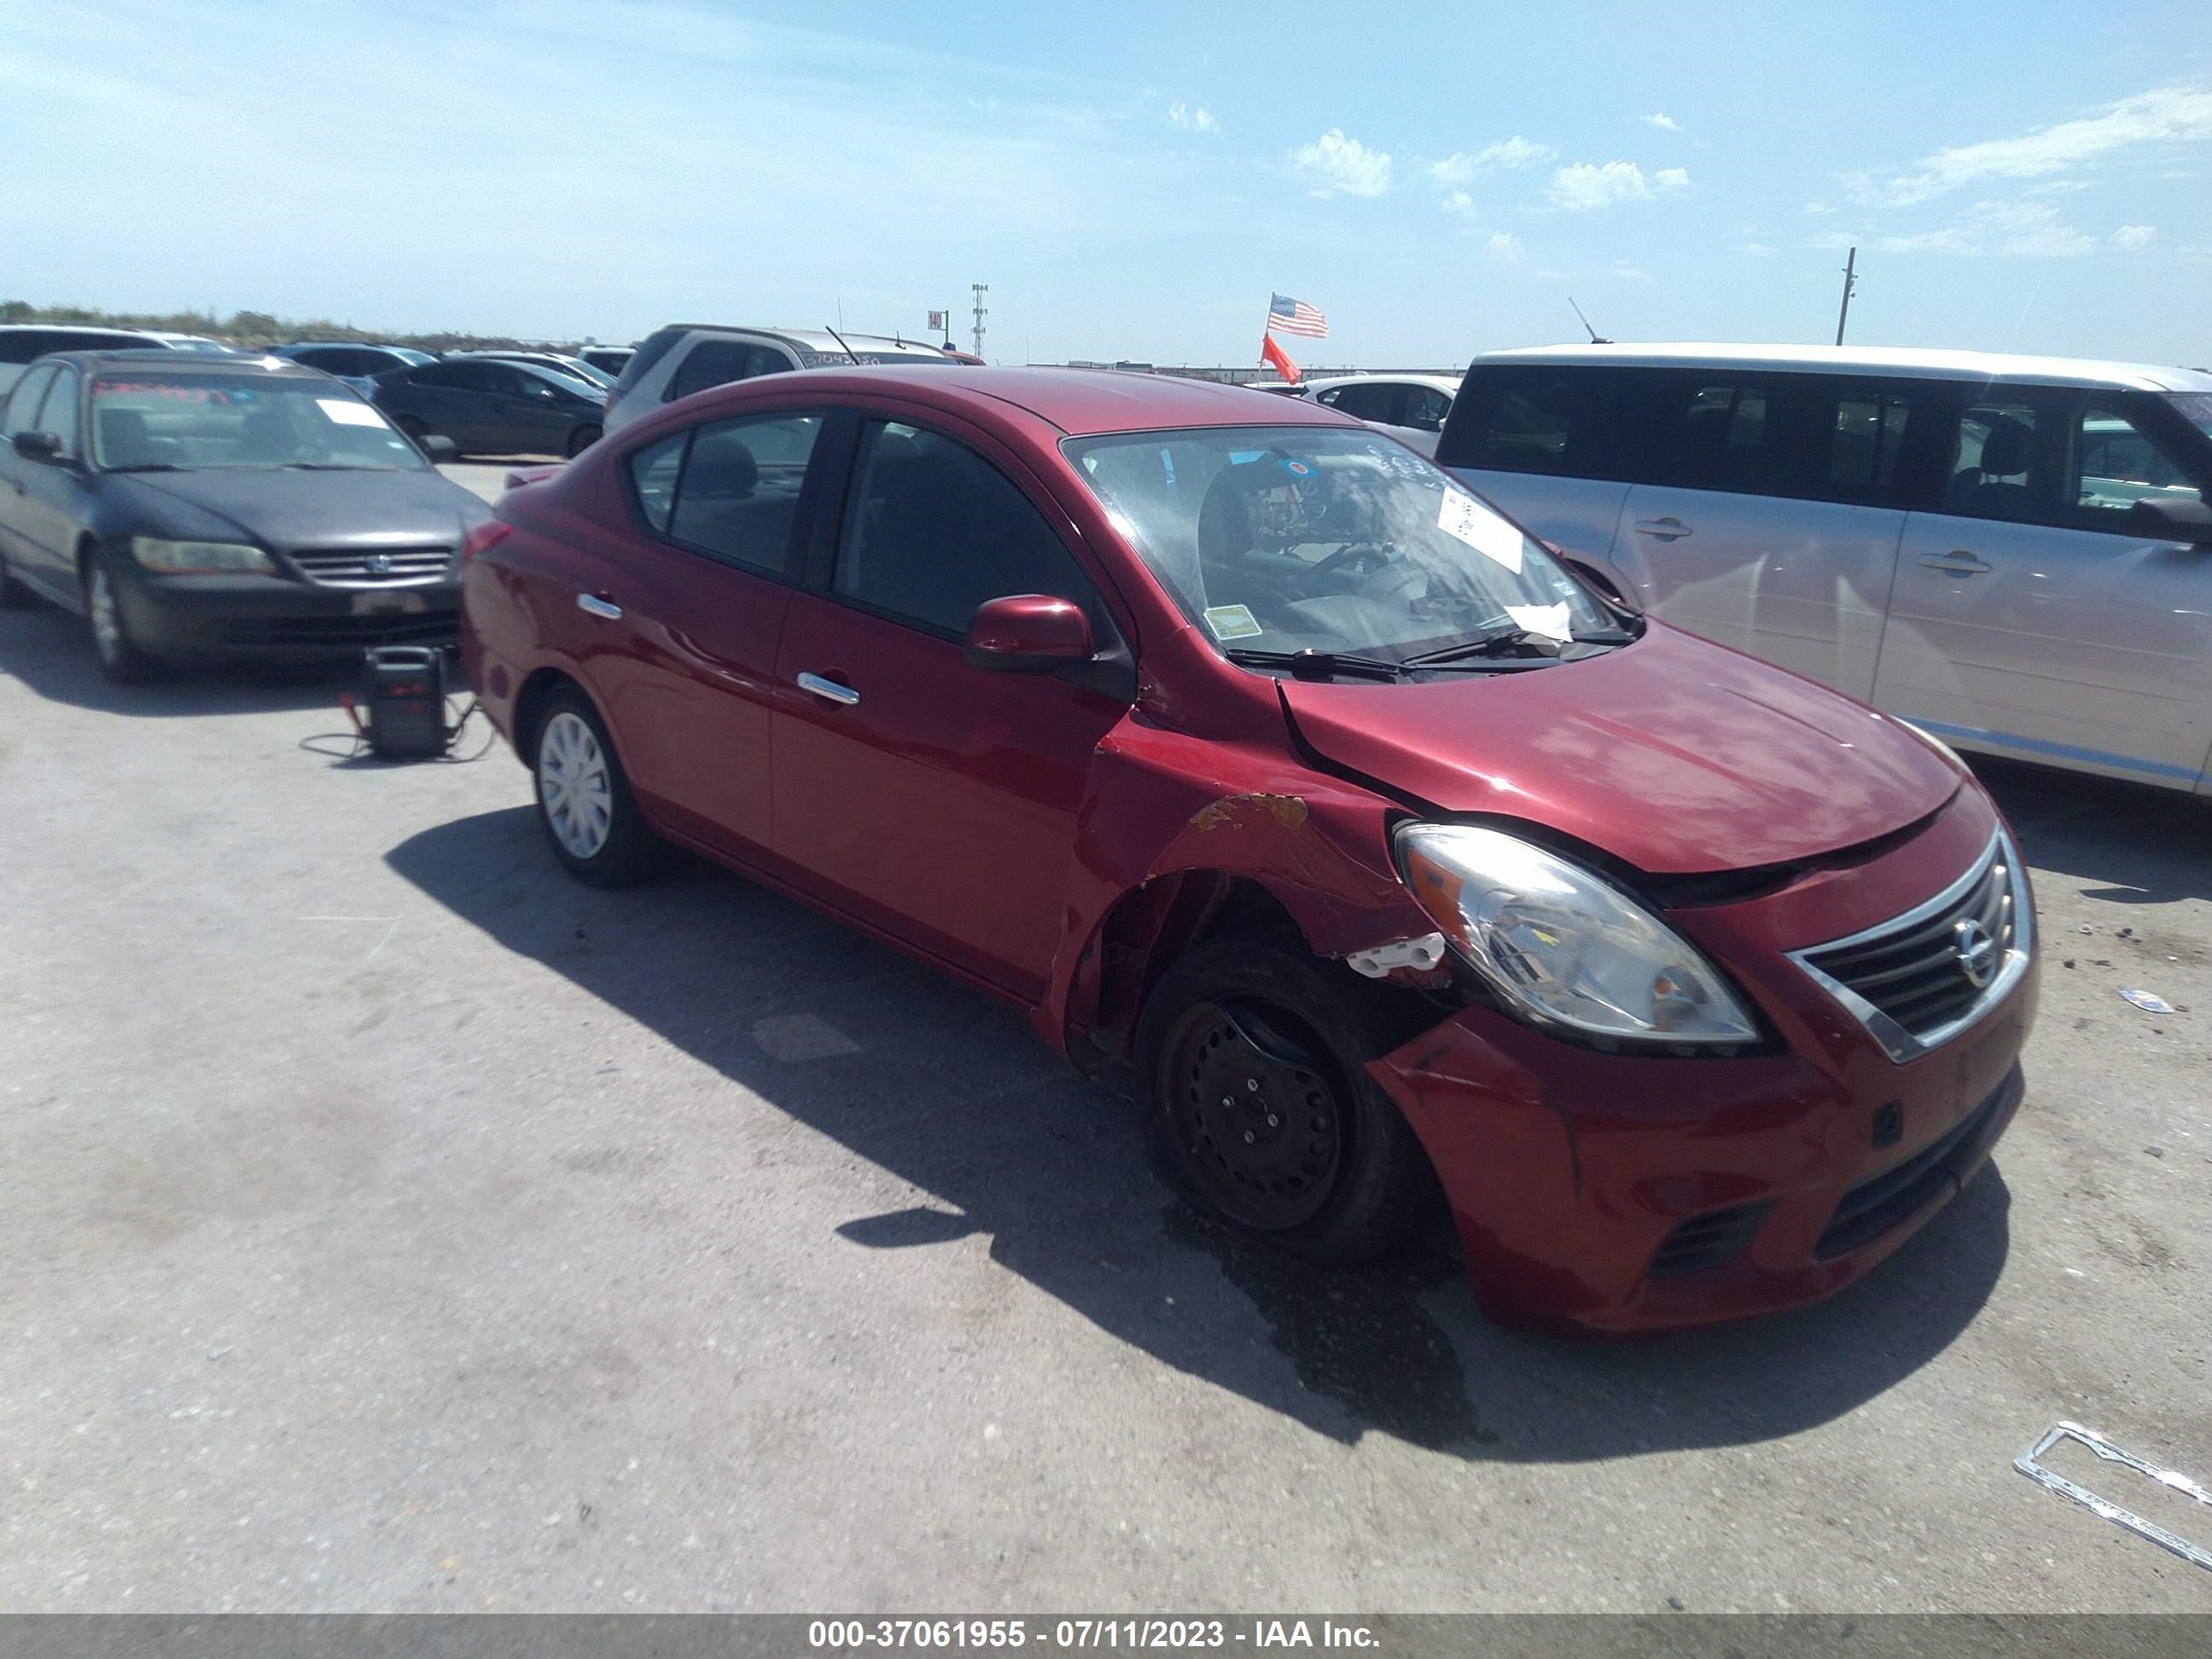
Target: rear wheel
{"points": [[582, 439], [1252, 1057], [120, 657], [584, 800]]}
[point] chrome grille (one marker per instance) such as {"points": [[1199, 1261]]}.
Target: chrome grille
{"points": [[373, 566], [1918, 980]]}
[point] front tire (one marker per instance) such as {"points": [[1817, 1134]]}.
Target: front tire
{"points": [[1252, 1060], [582, 438], [583, 801], [119, 656]]}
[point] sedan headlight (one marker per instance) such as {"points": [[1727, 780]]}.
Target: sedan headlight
{"points": [[1562, 945], [199, 558]]}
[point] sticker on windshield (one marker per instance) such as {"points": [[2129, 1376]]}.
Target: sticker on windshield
{"points": [[1471, 522], [345, 411], [1232, 622], [1549, 620]]}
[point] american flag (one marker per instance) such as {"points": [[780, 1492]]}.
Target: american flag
{"points": [[1295, 317]]}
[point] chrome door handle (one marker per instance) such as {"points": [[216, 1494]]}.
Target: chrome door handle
{"points": [[1954, 564], [1667, 530], [593, 605], [829, 690]]}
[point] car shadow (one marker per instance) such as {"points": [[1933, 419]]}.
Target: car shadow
{"points": [[45, 648], [953, 1095], [2128, 842]]}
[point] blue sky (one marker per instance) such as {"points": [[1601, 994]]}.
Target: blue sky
{"points": [[1132, 180]]}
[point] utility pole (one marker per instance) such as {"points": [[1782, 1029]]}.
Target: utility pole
{"points": [[1850, 281], [980, 289]]}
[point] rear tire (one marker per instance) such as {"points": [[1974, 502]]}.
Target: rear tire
{"points": [[582, 438], [585, 805], [119, 656], [1251, 1057]]}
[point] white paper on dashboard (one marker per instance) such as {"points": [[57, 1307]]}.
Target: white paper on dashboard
{"points": [[1549, 620], [343, 412], [1480, 529]]}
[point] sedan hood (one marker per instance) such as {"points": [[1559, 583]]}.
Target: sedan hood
{"points": [[287, 509], [1672, 755]]}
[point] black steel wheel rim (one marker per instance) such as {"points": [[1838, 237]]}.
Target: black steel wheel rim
{"points": [[1258, 1117]]}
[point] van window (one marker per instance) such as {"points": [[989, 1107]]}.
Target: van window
{"points": [[711, 362], [2116, 465], [1865, 439], [1569, 422], [1718, 433], [1995, 470]]}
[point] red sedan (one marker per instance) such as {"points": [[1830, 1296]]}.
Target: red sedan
{"points": [[1233, 741]]}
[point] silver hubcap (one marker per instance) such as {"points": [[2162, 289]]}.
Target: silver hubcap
{"points": [[574, 785], [106, 620]]}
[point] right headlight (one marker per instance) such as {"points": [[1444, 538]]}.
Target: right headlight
{"points": [[199, 558], [1562, 945]]}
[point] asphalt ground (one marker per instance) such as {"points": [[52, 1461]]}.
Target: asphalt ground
{"points": [[387, 1223]]}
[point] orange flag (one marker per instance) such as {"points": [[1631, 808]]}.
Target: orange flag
{"points": [[1271, 353]]}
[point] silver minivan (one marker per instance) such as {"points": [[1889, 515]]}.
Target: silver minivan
{"points": [[674, 361], [2014, 553]]}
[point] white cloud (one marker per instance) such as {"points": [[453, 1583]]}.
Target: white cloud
{"points": [[1584, 185], [1664, 122], [1459, 202], [2164, 115], [2133, 237], [1508, 155], [1505, 247], [2021, 230], [1759, 250], [1338, 163], [1199, 119], [1818, 207]]}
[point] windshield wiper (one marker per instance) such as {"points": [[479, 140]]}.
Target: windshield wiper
{"points": [[147, 466], [1312, 664], [335, 466], [1518, 638]]}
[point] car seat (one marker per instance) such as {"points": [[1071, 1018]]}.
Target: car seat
{"points": [[124, 440], [1982, 489]]}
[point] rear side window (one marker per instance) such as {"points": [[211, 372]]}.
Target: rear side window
{"points": [[735, 487], [657, 344], [1571, 422], [1718, 433], [710, 363], [932, 529], [1815, 437], [1368, 403]]}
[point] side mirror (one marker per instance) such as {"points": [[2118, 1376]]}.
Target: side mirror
{"points": [[1028, 634], [437, 448], [37, 446], [2177, 518]]}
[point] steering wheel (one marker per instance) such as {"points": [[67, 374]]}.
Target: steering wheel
{"points": [[1351, 553], [1391, 581]]}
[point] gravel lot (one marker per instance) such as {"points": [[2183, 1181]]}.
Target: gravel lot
{"points": [[388, 1222]]}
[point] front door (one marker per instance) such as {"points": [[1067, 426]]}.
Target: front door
{"points": [[2034, 616], [932, 798]]}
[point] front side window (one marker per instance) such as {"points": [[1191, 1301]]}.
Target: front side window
{"points": [[57, 415], [653, 471], [2116, 465], [23, 406], [932, 529], [737, 493], [146, 419], [1426, 407], [1293, 538]]}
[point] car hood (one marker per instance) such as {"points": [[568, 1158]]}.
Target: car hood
{"points": [[1672, 754], [284, 509]]}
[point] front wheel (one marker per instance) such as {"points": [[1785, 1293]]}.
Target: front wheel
{"points": [[1251, 1057], [584, 800], [120, 657], [582, 439]]}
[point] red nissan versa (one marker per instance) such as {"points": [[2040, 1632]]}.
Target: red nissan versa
{"points": [[1230, 737]]}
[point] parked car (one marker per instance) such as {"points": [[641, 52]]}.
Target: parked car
{"points": [[575, 368], [608, 360], [2013, 552], [683, 358], [486, 407], [1411, 406], [23, 343], [194, 507], [1237, 743], [356, 364]]}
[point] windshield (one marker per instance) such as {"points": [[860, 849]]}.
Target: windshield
{"points": [[1312, 537], [145, 420], [2195, 407], [193, 342]]}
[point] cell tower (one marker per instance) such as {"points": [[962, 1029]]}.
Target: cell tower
{"points": [[980, 289]]}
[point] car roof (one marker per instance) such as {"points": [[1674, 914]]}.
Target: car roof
{"points": [[1079, 402], [1909, 362], [814, 339], [1449, 385], [189, 362]]}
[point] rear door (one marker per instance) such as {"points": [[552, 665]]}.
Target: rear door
{"points": [[933, 800], [1771, 516], [450, 399], [2032, 615], [526, 414], [55, 497]]}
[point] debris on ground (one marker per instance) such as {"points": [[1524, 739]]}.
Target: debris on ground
{"points": [[2148, 1002], [2028, 1464]]}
